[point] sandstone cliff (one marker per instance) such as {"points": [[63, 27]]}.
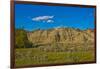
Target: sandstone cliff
{"points": [[61, 35]]}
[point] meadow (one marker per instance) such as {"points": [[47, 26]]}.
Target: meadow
{"points": [[66, 54]]}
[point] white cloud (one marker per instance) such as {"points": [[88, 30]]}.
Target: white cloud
{"points": [[47, 19], [50, 21]]}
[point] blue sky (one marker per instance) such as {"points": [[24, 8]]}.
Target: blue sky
{"points": [[31, 17]]}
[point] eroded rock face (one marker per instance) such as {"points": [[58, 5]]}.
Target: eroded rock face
{"points": [[61, 35]]}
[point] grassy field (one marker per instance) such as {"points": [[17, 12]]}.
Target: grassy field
{"points": [[35, 56]]}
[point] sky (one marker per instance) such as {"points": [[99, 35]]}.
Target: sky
{"points": [[31, 17]]}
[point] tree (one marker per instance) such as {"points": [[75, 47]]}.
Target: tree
{"points": [[21, 39]]}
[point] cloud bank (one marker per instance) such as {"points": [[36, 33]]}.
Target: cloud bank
{"points": [[47, 19]]}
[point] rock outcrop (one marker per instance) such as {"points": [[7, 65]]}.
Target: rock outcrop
{"points": [[61, 35]]}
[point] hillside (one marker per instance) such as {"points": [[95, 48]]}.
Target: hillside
{"points": [[61, 35]]}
